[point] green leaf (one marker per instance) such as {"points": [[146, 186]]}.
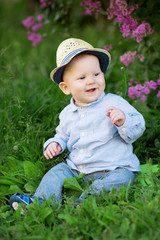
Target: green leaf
{"points": [[31, 170], [125, 225], [72, 183], [80, 177], [45, 212], [9, 180], [29, 187], [68, 218], [147, 170], [14, 189]]}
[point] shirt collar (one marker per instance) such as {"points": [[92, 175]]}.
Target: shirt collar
{"points": [[73, 107]]}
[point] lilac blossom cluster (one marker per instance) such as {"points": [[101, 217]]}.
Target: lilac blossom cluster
{"points": [[129, 57], [34, 25], [130, 27], [91, 7], [141, 91], [108, 47], [45, 3]]}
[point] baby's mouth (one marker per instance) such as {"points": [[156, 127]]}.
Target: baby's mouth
{"points": [[91, 90]]}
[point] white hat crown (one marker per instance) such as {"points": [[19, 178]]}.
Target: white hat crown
{"points": [[67, 47]]}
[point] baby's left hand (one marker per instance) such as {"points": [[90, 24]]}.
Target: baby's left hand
{"points": [[116, 115]]}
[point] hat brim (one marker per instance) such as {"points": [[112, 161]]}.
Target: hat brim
{"points": [[103, 56]]}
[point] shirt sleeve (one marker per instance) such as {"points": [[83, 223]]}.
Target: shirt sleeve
{"points": [[134, 124], [60, 137]]}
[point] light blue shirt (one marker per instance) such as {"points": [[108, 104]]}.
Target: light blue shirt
{"points": [[93, 141]]}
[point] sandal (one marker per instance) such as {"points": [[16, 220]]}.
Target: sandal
{"points": [[21, 198]]}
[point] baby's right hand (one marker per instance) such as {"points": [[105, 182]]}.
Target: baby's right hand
{"points": [[52, 150]]}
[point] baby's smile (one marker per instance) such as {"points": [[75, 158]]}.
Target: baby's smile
{"points": [[91, 90]]}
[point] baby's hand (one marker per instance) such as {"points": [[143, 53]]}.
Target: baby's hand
{"points": [[116, 115], [52, 150]]}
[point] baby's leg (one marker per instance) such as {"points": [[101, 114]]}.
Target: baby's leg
{"points": [[115, 178], [52, 182]]}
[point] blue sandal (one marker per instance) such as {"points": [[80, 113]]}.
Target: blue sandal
{"points": [[21, 198]]}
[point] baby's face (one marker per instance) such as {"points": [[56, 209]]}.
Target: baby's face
{"points": [[83, 79]]}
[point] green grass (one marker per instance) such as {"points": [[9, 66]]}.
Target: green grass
{"points": [[29, 108]]}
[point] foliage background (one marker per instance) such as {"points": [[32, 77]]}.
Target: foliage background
{"points": [[29, 108]]}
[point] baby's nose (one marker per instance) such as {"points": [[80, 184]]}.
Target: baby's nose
{"points": [[90, 80]]}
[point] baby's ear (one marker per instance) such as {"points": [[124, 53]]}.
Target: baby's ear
{"points": [[64, 87]]}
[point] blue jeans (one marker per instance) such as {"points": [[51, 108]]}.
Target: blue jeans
{"points": [[52, 182]]}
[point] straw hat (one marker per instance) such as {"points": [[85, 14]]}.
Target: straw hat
{"points": [[70, 48]]}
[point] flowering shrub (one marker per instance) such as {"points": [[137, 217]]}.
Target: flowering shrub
{"points": [[141, 91], [108, 47], [45, 3], [117, 8], [54, 15], [129, 57], [121, 10], [91, 7], [34, 25], [130, 27]]}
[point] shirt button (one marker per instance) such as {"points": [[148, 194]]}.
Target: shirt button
{"points": [[123, 130], [81, 151], [82, 115], [82, 134]]}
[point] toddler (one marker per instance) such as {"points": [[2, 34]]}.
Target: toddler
{"points": [[98, 129]]}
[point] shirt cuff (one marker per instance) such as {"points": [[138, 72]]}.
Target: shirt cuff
{"points": [[123, 129], [50, 140]]}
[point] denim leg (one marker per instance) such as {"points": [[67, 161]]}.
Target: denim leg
{"points": [[115, 178], [52, 182]]}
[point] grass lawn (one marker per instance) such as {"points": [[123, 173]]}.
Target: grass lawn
{"points": [[29, 109]]}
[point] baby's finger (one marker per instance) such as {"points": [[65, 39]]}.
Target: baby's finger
{"points": [[58, 149], [110, 108], [108, 112], [46, 155], [50, 153]]}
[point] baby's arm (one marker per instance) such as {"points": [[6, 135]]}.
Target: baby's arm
{"points": [[52, 150], [128, 121]]}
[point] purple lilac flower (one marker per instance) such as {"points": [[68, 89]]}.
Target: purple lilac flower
{"points": [[141, 91], [34, 38], [158, 94], [143, 98], [108, 47], [141, 31], [37, 26], [141, 57], [152, 84], [91, 7], [28, 22], [122, 11], [146, 90], [34, 24], [40, 18], [133, 92], [129, 57], [45, 3], [132, 81], [158, 81]]}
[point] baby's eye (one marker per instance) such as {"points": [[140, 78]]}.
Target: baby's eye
{"points": [[81, 78], [96, 74]]}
